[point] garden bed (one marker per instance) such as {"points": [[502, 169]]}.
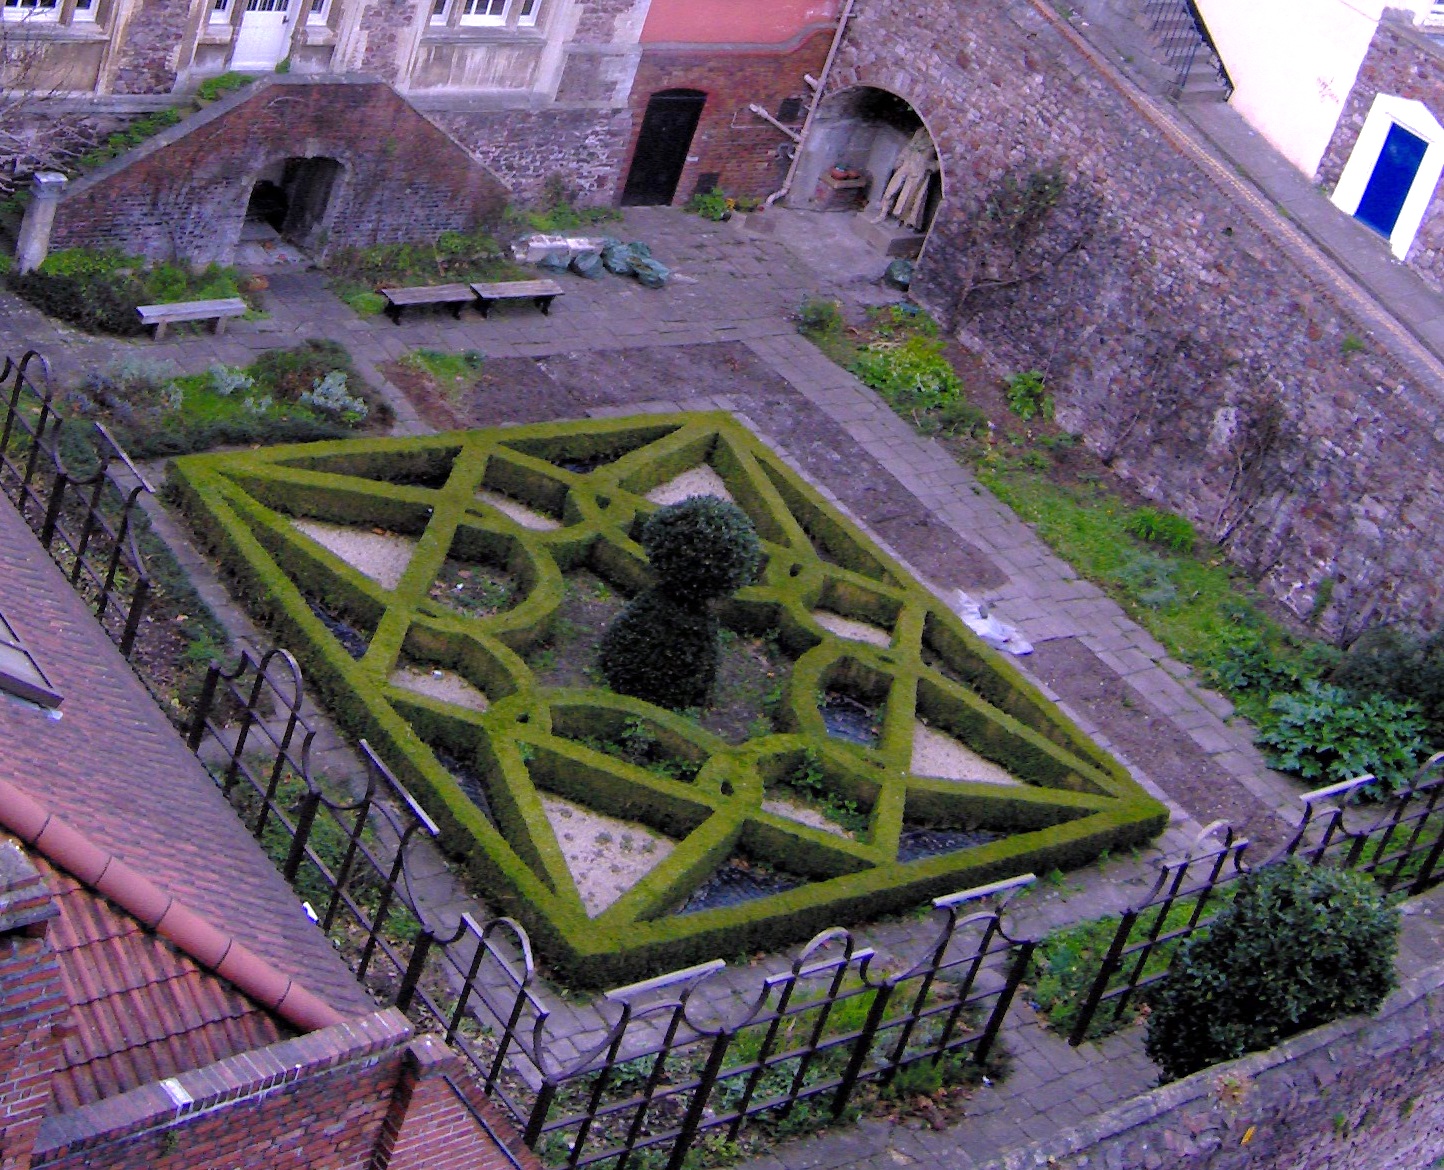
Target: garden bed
{"points": [[358, 274], [751, 783], [309, 392]]}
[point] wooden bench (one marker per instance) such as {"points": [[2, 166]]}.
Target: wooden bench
{"points": [[454, 296], [216, 312], [542, 292]]}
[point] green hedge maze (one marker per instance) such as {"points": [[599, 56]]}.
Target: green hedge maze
{"points": [[425, 584]]}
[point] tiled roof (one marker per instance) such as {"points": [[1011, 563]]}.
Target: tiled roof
{"points": [[141, 1010], [117, 772]]}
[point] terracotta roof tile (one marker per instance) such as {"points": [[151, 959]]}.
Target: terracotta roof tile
{"points": [[116, 773]]}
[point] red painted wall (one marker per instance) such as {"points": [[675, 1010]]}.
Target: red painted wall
{"points": [[734, 22]]}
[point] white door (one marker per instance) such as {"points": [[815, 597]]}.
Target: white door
{"points": [[264, 35]]}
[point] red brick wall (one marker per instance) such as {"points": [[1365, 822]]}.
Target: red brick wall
{"points": [[184, 194], [31, 1004], [746, 152]]}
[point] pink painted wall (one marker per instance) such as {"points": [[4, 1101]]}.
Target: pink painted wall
{"points": [[737, 22]]}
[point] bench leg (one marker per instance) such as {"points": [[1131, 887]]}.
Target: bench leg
{"points": [[484, 304], [159, 330], [219, 326], [456, 307], [545, 305], [394, 312]]}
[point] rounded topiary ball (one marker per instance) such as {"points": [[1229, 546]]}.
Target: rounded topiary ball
{"points": [[662, 652], [701, 549]]}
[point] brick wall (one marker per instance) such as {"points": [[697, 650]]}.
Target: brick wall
{"points": [[32, 1004], [184, 193], [749, 155], [1203, 357], [1403, 63]]}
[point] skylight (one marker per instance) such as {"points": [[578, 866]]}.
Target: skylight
{"points": [[20, 674]]}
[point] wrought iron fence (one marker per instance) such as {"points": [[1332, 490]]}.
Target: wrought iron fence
{"points": [[78, 489], [1398, 843], [668, 1068]]}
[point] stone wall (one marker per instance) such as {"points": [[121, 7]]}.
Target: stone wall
{"points": [[1203, 358], [1360, 1094], [748, 155], [183, 195], [1404, 63]]}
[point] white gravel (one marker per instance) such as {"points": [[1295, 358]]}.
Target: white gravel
{"points": [[697, 481], [794, 811], [380, 555], [607, 857], [942, 757], [526, 517], [852, 629], [445, 685]]}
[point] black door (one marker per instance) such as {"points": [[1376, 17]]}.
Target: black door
{"points": [[662, 146]]}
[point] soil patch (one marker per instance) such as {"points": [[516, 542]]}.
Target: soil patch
{"points": [[750, 675], [568, 658], [1151, 740], [472, 590]]}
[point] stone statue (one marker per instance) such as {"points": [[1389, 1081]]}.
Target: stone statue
{"points": [[905, 198]]}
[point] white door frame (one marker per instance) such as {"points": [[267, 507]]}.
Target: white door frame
{"points": [[1386, 112], [263, 37]]}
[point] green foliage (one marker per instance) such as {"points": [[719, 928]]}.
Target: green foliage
{"points": [[1021, 208], [910, 375], [1352, 344], [1325, 734], [1027, 396], [713, 204], [215, 88], [819, 317], [452, 257], [446, 367], [1149, 579], [809, 784], [1155, 527], [902, 319], [701, 549], [1398, 664], [132, 136], [1296, 948], [100, 290]]}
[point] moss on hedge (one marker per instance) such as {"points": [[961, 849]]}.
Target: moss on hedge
{"points": [[1074, 802]]}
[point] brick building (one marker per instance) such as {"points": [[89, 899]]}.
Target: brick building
{"points": [[164, 1000]]}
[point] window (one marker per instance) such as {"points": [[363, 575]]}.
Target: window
{"points": [[32, 9], [318, 11], [221, 12], [527, 14], [84, 10], [20, 675], [483, 12], [438, 11]]}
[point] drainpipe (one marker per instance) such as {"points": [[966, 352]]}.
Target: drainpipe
{"points": [[818, 91]]}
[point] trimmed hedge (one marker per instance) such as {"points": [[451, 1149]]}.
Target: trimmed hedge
{"points": [[1075, 800]]}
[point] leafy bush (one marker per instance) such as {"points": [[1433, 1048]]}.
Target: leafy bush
{"points": [[128, 139], [713, 204], [1400, 665], [1149, 579], [330, 397], [290, 373], [1027, 397], [664, 646], [99, 291], [1326, 734], [1297, 947], [910, 375], [217, 87], [1155, 527]]}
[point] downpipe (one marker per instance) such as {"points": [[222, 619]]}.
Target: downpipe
{"points": [[842, 23]]}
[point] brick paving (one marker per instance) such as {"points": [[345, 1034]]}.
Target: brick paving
{"points": [[736, 287]]}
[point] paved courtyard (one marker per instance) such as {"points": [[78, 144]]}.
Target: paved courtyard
{"points": [[721, 337]]}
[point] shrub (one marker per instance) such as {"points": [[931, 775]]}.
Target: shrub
{"points": [[701, 549], [1149, 580], [290, 373], [1298, 947], [961, 417], [818, 316], [1155, 527], [329, 396], [1399, 665], [912, 374], [713, 205], [1324, 733], [1027, 397], [663, 646]]}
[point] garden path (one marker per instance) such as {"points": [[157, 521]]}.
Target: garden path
{"points": [[720, 336]]}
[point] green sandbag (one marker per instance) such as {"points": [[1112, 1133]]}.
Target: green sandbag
{"points": [[651, 273], [617, 258], [588, 264]]}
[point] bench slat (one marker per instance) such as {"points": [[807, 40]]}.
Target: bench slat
{"points": [[433, 294], [504, 289]]}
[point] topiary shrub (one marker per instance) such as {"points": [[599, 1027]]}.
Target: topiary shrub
{"points": [[663, 646], [1296, 948]]}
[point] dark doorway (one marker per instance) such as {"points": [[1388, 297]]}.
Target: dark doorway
{"points": [[268, 205], [662, 147], [309, 184], [1393, 176]]}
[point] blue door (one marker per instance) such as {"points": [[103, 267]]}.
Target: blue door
{"points": [[1393, 176]]}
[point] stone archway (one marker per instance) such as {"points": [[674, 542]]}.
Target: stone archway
{"points": [[292, 199], [869, 152]]}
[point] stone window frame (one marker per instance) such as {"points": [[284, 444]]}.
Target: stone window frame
{"points": [[516, 15], [55, 13], [1387, 111]]}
